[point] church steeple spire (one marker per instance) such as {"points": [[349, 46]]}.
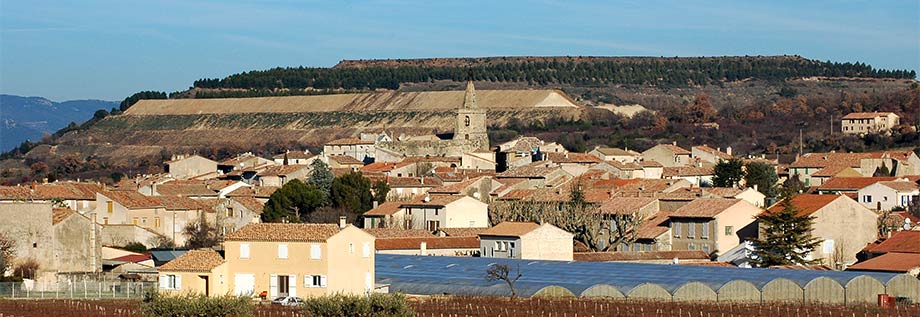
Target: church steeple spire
{"points": [[469, 98]]}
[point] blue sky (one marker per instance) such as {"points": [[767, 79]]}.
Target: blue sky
{"points": [[110, 49]]}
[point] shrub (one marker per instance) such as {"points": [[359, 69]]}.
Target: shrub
{"points": [[375, 304], [156, 304], [136, 247], [26, 269]]}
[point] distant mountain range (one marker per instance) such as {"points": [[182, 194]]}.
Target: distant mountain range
{"points": [[28, 118]]}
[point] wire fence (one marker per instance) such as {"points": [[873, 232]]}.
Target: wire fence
{"points": [[75, 289]]}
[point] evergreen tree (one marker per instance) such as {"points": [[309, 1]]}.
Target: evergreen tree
{"points": [[882, 171], [381, 189], [762, 175], [321, 177], [352, 192], [785, 237], [728, 173], [293, 202]]}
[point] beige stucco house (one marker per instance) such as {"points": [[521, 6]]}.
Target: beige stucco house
{"points": [[669, 155], [886, 195], [430, 212], [361, 150], [526, 240], [278, 259], [843, 225], [710, 155], [868, 122], [185, 167], [713, 225], [615, 154]]}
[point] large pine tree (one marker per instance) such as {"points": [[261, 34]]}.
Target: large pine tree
{"points": [[785, 237]]}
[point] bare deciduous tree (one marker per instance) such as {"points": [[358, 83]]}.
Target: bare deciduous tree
{"points": [[502, 272], [7, 250]]}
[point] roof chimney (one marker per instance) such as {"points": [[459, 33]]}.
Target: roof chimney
{"points": [[728, 150], [674, 143], [423, 248], [342, 222]]}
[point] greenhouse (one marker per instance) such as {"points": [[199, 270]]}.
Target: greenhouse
{"points": [[431, 275]]}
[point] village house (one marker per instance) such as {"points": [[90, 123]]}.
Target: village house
{"points": [[710, 155], [478, 160], [825, 165], [699, 175], [423, 242], [342, 162], [526, 240], [899, 253], [360, 150], [430, 212], [167, 216], [868, 122], [478, 187], [294, 158], [77, 196], [59, 239], [404, 188], [848, 185], [713, 225], [190, 189], [669, 155], [537, 175], [244, 162], [885, 195], [522, 151], [281, 174], [615, 154], [843, 225], [573, 163], [195, 272], [749, 194], [625, 209], [629, 170], [188, 166], [392, 169]]}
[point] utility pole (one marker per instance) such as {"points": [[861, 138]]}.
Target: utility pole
{"points": [[800, 143]]}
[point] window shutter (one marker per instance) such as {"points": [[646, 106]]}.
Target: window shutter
{"points": [[178, 281], [164, 281], [282, 251], [273, 286], [322, 281], [292, 289], [315, 251], [367, 250], [244, 250]]}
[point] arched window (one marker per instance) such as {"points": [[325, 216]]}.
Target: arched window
{"points": [[466, 120]]}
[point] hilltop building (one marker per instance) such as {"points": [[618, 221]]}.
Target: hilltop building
{"points": [[868, 122]]}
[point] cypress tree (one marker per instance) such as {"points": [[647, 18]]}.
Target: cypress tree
{"points": [[785, 237]]}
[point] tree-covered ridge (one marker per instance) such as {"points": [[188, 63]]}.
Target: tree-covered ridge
{"points": [[658, 72]]}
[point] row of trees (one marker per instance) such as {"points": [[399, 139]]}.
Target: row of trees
{"points": [[665, 72]]}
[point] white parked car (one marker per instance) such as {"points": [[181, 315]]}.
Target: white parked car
{"points": [[288, 301]]}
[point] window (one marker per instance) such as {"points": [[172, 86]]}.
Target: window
{"points": [[135, 221], [105, 220], [729, 230], [244, 250], [691, 246], [433, 225], [109, 206], [705, 248], [229, 212], [705, 233], [156, 222], [677, 229], [314, 280], [315, 251], [282, 251], [466, 121], [366, 250], [867, 198], [692, 230], [144, 220], [351, 248], [171, 281]]}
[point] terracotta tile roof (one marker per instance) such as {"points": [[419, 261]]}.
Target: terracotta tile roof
{"points": [[254, 191], [299, 155], [381, 233], [170, 189], [905, 241], [15, 192], [845, 159], [443, 159], [712, 263], [345, 160], [654, 226], [901, 186], [830, 171], [134, 258], [639, 256], [648, 185], [462, 232], [889, 262], [282, 170], [431, 243], [250, 203], [385, 209], [572, 157], [510, 229], [414, 182], [724, 192], [678, 171], [181, 203], [132, 199], [457, 188], [623, 166], [293, 232], [194, 261], [806, 204], [865, 115], [67, 190], [383, 166], [705, 207], [60, 214], [433, 200], [624, 205], [348, 141], [850, 183], [537, 170], [457, 175], [897, 219], [517, 194], [650, 163], [675, 149], [522, 144], [219, 184], [716, 153]]}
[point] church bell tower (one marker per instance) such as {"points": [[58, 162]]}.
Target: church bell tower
{"points": [[471, 120]]}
